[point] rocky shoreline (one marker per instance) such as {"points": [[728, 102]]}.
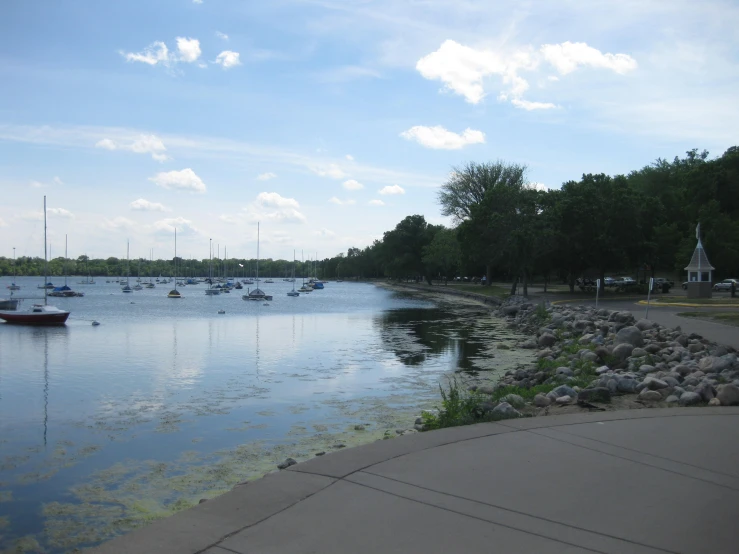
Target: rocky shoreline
{"points": [[591, 358]]}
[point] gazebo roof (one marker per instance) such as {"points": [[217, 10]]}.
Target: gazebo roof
{"points": [[699, 261]]}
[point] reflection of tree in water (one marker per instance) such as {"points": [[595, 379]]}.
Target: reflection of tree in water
{"points": [[416, 335]]}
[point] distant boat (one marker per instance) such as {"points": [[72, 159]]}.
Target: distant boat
{"points": [[39, 314], [293, 292], [12, 286], [211, 291], [257, 293], [303, 288], [48, 285], [127, 288], [174, 293]]}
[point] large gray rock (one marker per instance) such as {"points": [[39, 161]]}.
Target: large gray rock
{"points": [[547, 339], [622, 351], [653, 383], [627, 386], [728, 395], [638, 353], [541, 401], [514, 400], [566, 399], [690, 399], [644, 324], [713, 364], [621, 317], [629, 335], [286, 464], [506, 410], [510, 310], [706, 391], [562, 390], [650, 395], [589, 356], [564, 371]]}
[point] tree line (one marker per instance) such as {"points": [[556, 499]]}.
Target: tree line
{"points": [[639, 224]]}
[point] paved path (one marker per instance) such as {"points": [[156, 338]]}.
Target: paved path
{"points": [[667, 316], [642, 481]]}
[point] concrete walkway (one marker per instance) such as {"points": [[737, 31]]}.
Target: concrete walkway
{"points": [[641, 481]]}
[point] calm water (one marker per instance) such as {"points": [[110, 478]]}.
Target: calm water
{"points": [[103, 428]]}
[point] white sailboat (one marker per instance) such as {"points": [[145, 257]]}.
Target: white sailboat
{"points": [[257, 293], [293, 292], [174, 293], [127, 288], [210, 291]]}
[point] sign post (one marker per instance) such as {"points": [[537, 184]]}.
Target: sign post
{"points": [[597, 291], [649, 296]]}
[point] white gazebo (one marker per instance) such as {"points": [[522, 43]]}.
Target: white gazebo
{"points": [[700, 271]]}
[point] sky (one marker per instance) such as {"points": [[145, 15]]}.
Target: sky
{"points": [[329, 121]]}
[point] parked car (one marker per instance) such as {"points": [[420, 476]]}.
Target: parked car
{"points": [[726, 284], [661, 282], [608, 281]]}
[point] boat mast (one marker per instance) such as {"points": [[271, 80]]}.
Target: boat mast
{"points": [[46, 259], [175, 258], [65, 260], [128, 267], [257, 254]]}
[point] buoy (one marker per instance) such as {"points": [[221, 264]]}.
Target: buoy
{"points": [[96, 323]]}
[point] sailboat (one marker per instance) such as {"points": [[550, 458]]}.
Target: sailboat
{"points": [[150, 283], [127, 287], [293, 292], [257, 293], [10, 303], [88, 280], [39, 314], [174, 293], [303, 288], [65, 291], [138, 286], [210, 291]]}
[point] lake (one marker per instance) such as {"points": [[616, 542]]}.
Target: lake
{"points": [[104, 428]]}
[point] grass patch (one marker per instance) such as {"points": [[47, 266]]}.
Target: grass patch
{"points": [[729, 318], [492, 290]]}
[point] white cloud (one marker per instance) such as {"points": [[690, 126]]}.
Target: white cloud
{"points": [[57, 180], [394, 189], [567, 56], [529, 106], [228, 59], [2, 223], [61, 212], [118, 223], [35, 184], [189, 49], [222, 36], [185, 179], [340, 202], [439, 138], [348, 73], [266, 176], [226, 218], [155, 53], [538, 186], [325, 233], [349, 157], [332, 171], [197, 1], [376, 203], [144, 144], [183, 226], [271, 206], [351, 184], [145, 206], [465, 70], [106, 143]]}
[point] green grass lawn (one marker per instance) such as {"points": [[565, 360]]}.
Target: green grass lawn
{"points": [[702, 301], [729, 318], [492, 290]]}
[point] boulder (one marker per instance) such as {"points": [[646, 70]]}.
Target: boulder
{"points": [[638, 353], [627, 386], [564, 371], [714, 402], [597, 394], [629, 335], [622, 351], [566, 399], [547, 339], [672, 399], [602, 369], [682, 340], [529, 344], [589, 356], [644, 324], [653, 383], [650, 395], [683, 369], [621, 317], [706, 391], [510, 310], [541, 401], [286, 464], [690, 399], [728, 395], [514, 400], [713, 364], [562, 390], [505, 410]]}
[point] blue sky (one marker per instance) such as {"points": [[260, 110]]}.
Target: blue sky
{"points": [[329, 121]]}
